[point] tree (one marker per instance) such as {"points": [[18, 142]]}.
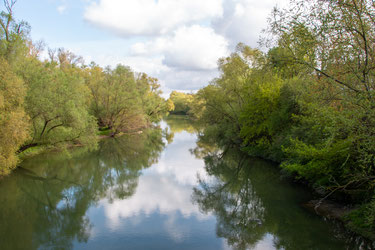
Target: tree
{"points": [[181, 102], [12, 34], [225, 98], [333, 145], [333, 38], [56, 102], [154, 106], [14, 123], [117, 103]]}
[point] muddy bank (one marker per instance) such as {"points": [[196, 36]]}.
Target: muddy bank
{"points": [[328, 209], [340, 212]]}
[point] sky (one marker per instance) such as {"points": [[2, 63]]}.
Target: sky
{"points": [[177, 41]]}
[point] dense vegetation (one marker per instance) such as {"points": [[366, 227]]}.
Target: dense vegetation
{"points": [[308, 102], [181, 103], [60, 101]]}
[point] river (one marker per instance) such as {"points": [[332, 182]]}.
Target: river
{"points": [[158, 190]]}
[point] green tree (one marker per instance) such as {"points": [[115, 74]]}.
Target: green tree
{"points": [[333, 145], [14, 123], [154, 106], [181, 102], [225, 98], [13, 34], [117, 103], [56, 102]]}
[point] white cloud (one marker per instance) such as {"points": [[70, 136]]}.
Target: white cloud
{"points": [[187, 58], [244, 20], [195, 48], [150, 17], [177, 41], [189, 48]]}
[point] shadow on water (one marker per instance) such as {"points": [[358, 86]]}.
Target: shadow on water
{"points": [[256, 208], [44, 203]]}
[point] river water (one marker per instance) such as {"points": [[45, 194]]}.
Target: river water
{"points": [[158, 190]]}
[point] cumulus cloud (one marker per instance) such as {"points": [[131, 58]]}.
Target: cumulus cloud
{"points": [[177, 41], [189, 48], [150, 17], [244, 20], [195, 48]]}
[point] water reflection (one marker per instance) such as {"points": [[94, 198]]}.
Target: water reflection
{"points": [[136, 192], [164, 195], [255, 209], [44, 204]]}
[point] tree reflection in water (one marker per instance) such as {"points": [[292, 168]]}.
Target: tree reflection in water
{"points": [[48, 208], [251, 202], [238, 209]]}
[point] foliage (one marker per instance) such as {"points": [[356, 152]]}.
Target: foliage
{"points": [[122, 101], [13, 119], [308, 102], [117, 104], [56, 102], [333, 145], [154, 106], [13, 34], [181, 102], [60, 102]]}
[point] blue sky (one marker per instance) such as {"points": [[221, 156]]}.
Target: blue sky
{"points": [[177, 41]]}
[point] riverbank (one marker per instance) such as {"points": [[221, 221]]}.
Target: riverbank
{"points": [[348, 215]]}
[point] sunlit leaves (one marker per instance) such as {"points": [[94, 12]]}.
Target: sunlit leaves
{"points": [[14, 125]]}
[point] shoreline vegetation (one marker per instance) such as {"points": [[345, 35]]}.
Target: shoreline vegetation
{"points": [[59, 101], [306, 103]]}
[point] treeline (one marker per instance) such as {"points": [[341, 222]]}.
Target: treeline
{"points": [[60, 101], [308, 102]]}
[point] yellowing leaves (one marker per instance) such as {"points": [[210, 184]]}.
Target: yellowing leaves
{"points": [[13, 120]]}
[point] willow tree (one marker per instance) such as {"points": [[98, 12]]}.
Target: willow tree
{"points": [[225, 98], [116, 102], [14, 122], [56, 102]]}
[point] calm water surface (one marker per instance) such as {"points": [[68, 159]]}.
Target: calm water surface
{"points": [[155, 191]]}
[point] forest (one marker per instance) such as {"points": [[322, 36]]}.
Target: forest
{"points": [[60, 101], [304, 99]]}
